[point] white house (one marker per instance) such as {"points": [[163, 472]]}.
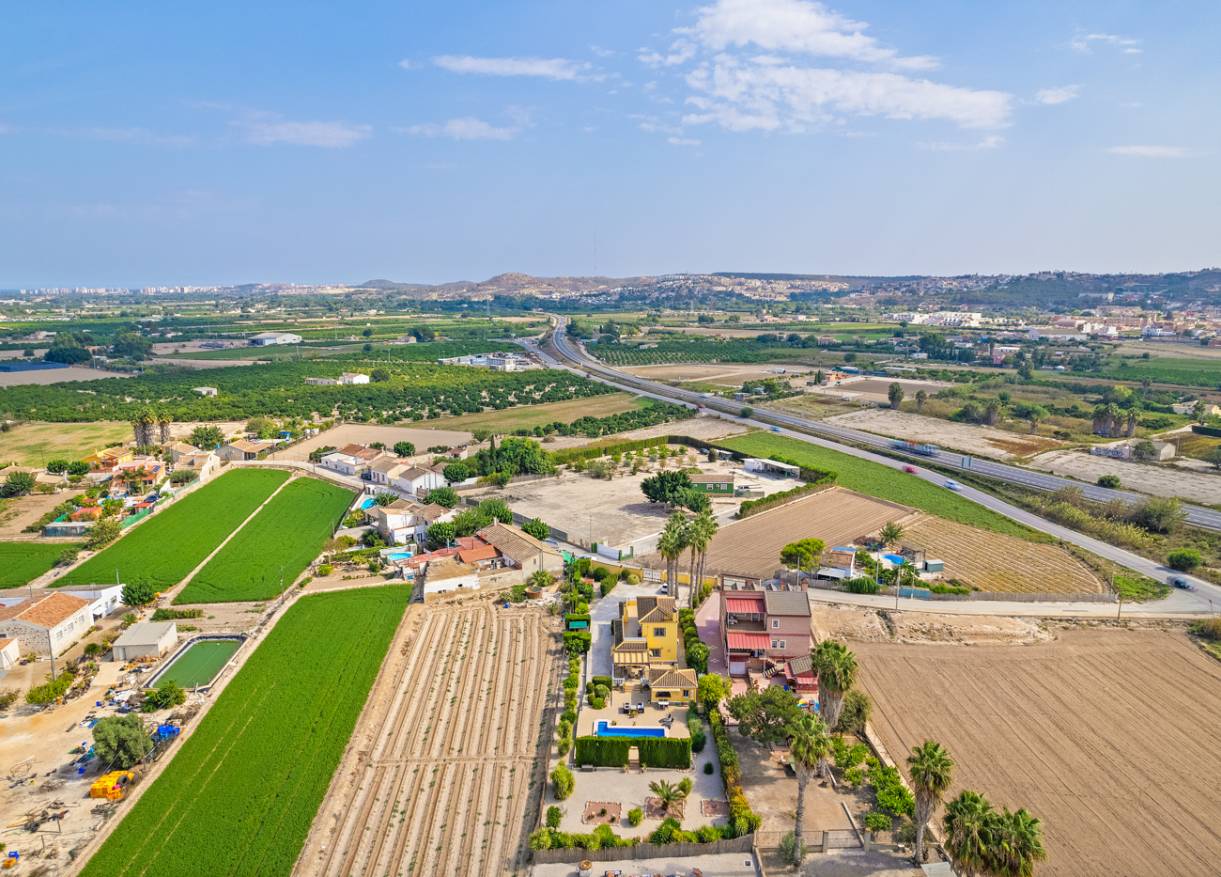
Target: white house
{"points": [[150, 639], [266, 339], [384, 468], [46, 624], [350, 459], [404, 521], [448, 574], [353, 378], [10, 653], [204, 391], [417, 480]]}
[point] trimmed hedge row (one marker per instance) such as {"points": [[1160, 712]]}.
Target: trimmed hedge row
{"points": [[570, 455], [671, 752], [742, 820], [754, 506]]}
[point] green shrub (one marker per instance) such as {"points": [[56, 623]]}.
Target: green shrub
{"points": [[561, 782], [602, 751], [893, 797], [695, 728], [602, 680], [635, 816], [875, 820], [554, 815], [671, 752], [576, 642], [1184, 559], [708, 768], [861, 585]]}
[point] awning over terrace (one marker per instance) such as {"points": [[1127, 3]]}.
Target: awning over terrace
{"points": [[746, 641], [744, 605]]}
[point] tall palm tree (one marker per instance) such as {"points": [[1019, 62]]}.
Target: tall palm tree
{"points": [[890, 534], [969, 820], [836, 667], [931, 771], [809, 745], [671, 544], [1016, 844], [700, 531]]}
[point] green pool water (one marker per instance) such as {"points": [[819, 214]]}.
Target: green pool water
{"points": [[200, 663]]}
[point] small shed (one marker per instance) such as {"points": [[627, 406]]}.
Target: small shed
{"points": [[150, 639]]}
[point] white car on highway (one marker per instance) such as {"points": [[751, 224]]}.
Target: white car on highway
{"points": [[953, 485]]}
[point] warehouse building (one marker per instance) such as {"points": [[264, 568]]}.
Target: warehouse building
{"points": [[151, 639]]}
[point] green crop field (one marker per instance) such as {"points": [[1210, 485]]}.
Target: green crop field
{"points": [[173, 542], [875, 479], [1186, 371], [271, 551], [241, 793], [21, 562]]}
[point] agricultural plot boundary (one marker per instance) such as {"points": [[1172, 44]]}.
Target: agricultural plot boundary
{"points": [[273, 548], [22, 562], [240, 795], [166, 547]]}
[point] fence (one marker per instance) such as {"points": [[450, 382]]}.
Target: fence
{"points": [[815, 841], [981, 596], [743, 844]]}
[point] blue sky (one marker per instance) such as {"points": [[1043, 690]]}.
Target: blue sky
{"points": [[151, 143]]}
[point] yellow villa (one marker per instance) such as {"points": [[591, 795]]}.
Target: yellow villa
{"points": [[646, 636]]}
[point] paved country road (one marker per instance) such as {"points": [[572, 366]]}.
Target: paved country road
{"points": [[561, 351]]}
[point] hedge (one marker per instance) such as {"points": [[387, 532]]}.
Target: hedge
{"points": [[602, 751], [672, 752], [570, 455], [754, 506]]}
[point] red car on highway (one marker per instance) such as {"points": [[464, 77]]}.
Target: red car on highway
{"points": [[910, 470]]}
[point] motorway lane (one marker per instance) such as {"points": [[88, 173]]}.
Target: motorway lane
{"points": [[1202, 600]]}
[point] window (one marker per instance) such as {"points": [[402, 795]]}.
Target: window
{"points": [[659, 631], [775, 644], [654, 653], [775, 624]]}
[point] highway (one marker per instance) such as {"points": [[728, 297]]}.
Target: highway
{"points": [[559, 350]]}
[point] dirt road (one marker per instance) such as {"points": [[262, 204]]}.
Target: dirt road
{"points": [[441, 774]]}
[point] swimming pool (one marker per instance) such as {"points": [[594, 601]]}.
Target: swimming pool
{"points": [[367, 503], [604, 729], [398, 555], [896, 559]]}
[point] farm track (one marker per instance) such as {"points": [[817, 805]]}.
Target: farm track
{"points": [[436, 780]]}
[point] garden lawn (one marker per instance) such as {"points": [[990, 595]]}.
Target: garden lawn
{"points": [[269, 553], [22, 562], [165, 548], [240, 795], [875, 479]]}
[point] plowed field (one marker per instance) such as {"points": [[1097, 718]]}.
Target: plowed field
{"points": [[836, 516], [993, 562], [1107, 736], [437, 779]]}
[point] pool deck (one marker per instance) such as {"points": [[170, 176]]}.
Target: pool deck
{"points": [[587, 721]]}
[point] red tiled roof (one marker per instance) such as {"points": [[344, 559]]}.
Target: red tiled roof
{"points": [[748, 640], [736, 603], [477, 553]]}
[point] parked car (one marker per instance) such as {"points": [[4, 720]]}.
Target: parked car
{"points": [[953, 485], [910, 470]]}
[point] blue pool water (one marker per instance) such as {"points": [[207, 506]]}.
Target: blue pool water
{"points": [[603, 729], [398, 555], [896, 559], [367, 503]]}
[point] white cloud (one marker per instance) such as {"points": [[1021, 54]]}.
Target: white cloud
{"points": [[136, 136], [992, 141], [602, 52], [1085, 43], [802, 26], [683, 141], [265, 130], [408, 64], [681, 51], [1060, 94], [1147, 151], [463, 128], [744, 96], [543, 68]]}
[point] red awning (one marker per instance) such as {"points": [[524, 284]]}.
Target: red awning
{"points": [[744, 605], [749, 641]]}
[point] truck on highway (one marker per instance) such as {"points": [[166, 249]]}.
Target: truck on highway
{"points": [[922, 448]]}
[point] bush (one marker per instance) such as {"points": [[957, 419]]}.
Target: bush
{"points": [[672, 752], [893, 797], [51, 690], [164, 696], [103, 532], [175, 614], [790, 850], [120, 741], [325, 569], [1111, 481], [696, 729], [875, 820], [708, 768], [576, 642], [635, 816], [697, 657], [861, 585], [602, 680], [607, 584], [561, 782], [855, 713], [603, 751], [8, 698], [138, 593], [554, 815], [1184, 559], [1209, 629]]}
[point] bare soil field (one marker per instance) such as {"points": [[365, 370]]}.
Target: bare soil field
{"points": [[702, 427], [727, 374], [612, 512], [875, 390], [443, 770], [862, 624], [836, 515], [1152, 478], [19, 512], [530, 416], [1104, 735], [363, 433], [994, 562], [33, 444], [986, 441]]}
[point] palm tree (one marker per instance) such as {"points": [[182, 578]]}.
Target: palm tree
{"points": [[670, 793], [700, 531], [836, 668], [968, 822], [671, 544], [931, 770], [890, 534], [809, 745], [1016, 844]]}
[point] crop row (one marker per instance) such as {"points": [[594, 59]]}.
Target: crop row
{"points": [[240, 795], [163, 549], [20, 562], [271, 551]]}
